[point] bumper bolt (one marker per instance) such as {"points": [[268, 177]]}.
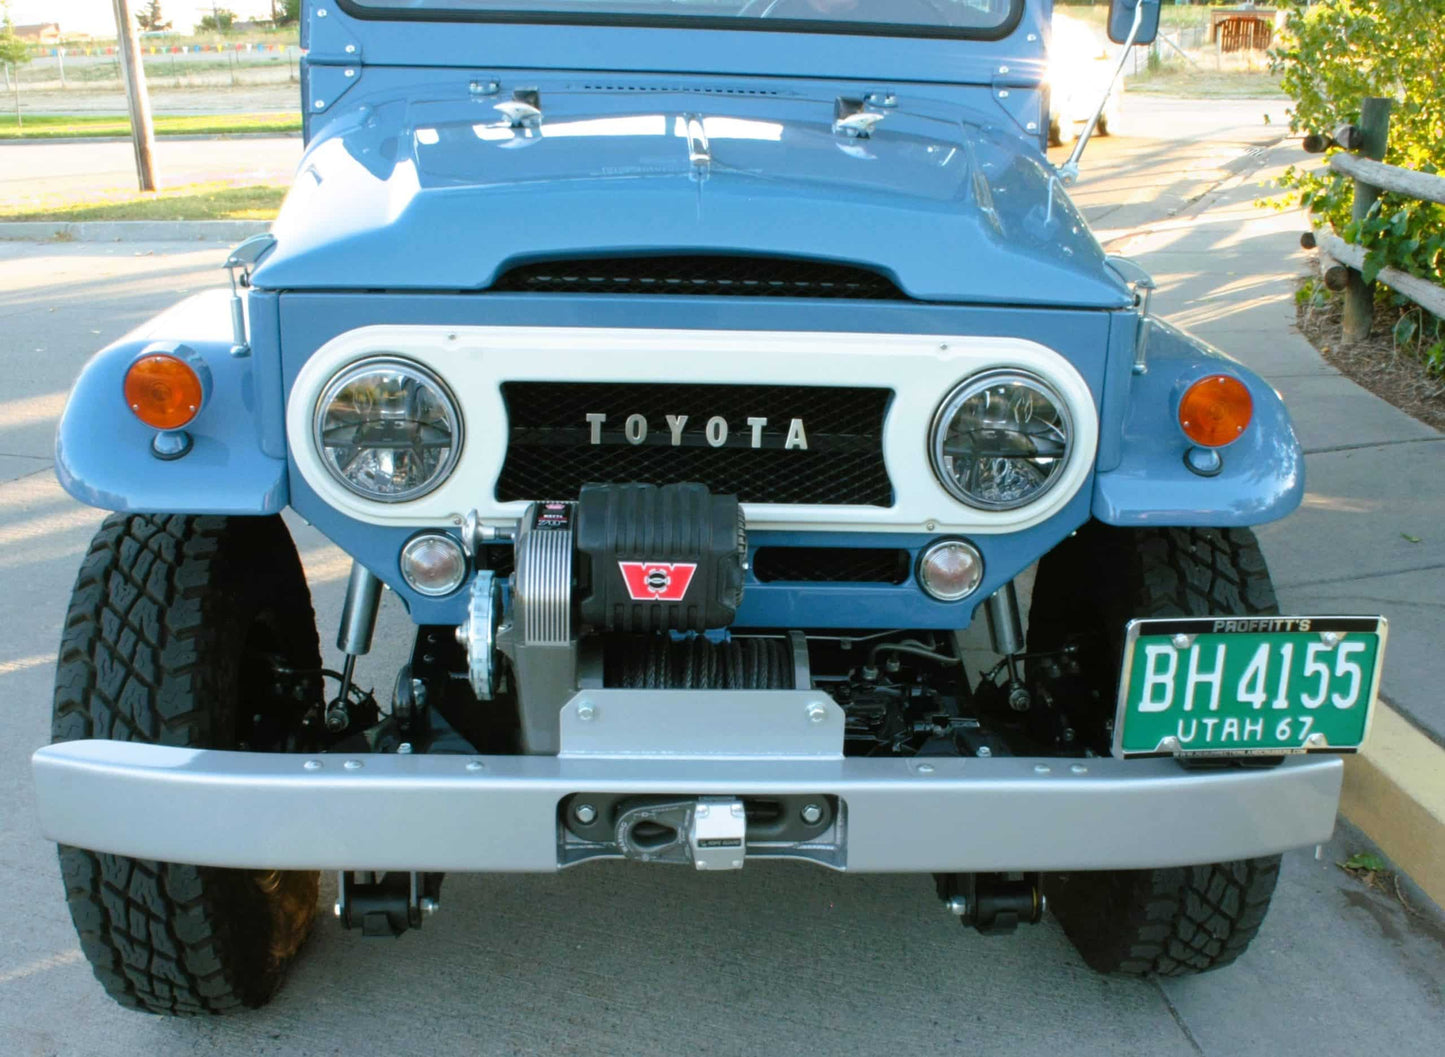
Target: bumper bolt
{"points": [[812, 814], [984, 752], [428, 906], [585, 814], [817, 713], [957, 905], [586, 712]]}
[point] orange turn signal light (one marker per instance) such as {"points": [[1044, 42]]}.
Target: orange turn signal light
{"points": [[1215, 410], [163, 391]]}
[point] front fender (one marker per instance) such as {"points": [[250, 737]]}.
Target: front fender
{"points": [[103, 452], [1263, 477]]}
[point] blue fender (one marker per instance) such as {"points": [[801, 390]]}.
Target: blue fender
{"points": [[103, 452], [1263, 476]]}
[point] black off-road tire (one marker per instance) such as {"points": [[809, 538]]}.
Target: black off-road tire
{"points": [[1173, 922], [171, 626]]}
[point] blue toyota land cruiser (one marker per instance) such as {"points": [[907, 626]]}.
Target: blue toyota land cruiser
{"points": [[695, 372]]}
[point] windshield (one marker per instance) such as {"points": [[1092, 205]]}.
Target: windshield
{"points": [[962, 18]]}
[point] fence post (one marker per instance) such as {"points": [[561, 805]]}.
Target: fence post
{"points": [[1359, 295]]}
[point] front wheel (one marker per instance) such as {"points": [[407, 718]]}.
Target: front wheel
{"points": [[187, 631], [1178, 921]]}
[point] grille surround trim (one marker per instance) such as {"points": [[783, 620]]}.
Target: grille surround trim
{"points": [[474, 359]]}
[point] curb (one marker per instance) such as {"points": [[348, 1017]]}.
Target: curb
{"points": [[132, 230], [1395, 792]]}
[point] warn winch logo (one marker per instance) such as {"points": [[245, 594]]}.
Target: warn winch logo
{"points": [[657, 581]]}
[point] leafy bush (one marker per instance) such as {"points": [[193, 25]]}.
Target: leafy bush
{"points": [[1333, 54]]}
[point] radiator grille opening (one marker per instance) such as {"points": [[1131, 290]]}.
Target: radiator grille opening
{"points": [[701, 276], [816, 445], [835, 565]]}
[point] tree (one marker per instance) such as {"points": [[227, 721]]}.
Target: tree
{"points": [[14, 53], [151, 20], [219, 20], [285, 12]]}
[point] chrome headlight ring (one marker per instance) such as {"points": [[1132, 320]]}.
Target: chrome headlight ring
{"points": [[387, 429], [1001, 439]]}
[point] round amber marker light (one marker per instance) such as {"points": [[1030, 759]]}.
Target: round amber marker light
{"points": [[163, 391], [1215, 410]]}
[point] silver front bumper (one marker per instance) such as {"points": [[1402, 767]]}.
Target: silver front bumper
{"points": [[500, 813]]}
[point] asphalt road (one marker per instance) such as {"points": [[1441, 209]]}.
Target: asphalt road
{"points": [[620, 959]]}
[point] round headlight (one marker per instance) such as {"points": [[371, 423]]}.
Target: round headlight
{"points": [[1001, 439], [388, 429]]}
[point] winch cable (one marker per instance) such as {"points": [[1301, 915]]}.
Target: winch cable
{"points": [[660, 662]]}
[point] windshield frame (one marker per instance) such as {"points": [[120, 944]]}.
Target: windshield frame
{"points": [[375, 11]]}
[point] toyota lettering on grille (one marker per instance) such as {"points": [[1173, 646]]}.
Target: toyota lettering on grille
{"points": [[636, 429]]}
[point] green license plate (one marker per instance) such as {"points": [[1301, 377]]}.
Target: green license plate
{"points": [[1246, 686]]}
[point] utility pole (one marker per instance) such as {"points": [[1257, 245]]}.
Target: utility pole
{"points": [[143, 133]]}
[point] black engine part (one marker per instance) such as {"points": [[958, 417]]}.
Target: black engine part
{"points": [[660, 662], [655, 558]]}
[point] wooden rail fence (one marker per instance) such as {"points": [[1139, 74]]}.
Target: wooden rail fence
{"points": [[1343, 262]]}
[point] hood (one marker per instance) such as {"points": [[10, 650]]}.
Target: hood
{"points": [[439, 195]]}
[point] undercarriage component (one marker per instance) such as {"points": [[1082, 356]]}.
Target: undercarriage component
{"points": [[353, 638], [994, 904], [659, 662], [659, 559], [386, 904]]}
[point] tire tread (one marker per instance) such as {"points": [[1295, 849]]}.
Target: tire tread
{"points": [[139, 661]]}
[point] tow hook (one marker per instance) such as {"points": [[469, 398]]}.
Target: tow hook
{"points": [[386, 904], [994, 904], [709, 832]]}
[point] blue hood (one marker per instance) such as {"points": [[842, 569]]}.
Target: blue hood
{"points": [[952, 205]]}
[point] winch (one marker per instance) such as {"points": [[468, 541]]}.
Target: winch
{"points": [[636, 573]]}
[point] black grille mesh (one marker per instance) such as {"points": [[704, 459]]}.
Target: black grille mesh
{"points": [[836, 565], [550, 453], [701, 275]]}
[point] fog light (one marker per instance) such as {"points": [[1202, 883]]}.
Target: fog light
{"points": [[433, 564], [1215, 410], [163, 391], [950, 570]]}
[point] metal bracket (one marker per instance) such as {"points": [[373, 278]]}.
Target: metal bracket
{"points": [[702, 723], [244, 258], [1144, 286], [328, 38], [852, 118], [1022, 100], [326, 84]]}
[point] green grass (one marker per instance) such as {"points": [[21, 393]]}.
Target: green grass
{"points": [[69, 126], [211, 201], [1177, 79]]}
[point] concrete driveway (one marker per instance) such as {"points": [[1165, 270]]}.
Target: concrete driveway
{"points": [[619, 959]]}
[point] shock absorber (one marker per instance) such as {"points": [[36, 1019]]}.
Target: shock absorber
{"points": [[353, 638]]}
